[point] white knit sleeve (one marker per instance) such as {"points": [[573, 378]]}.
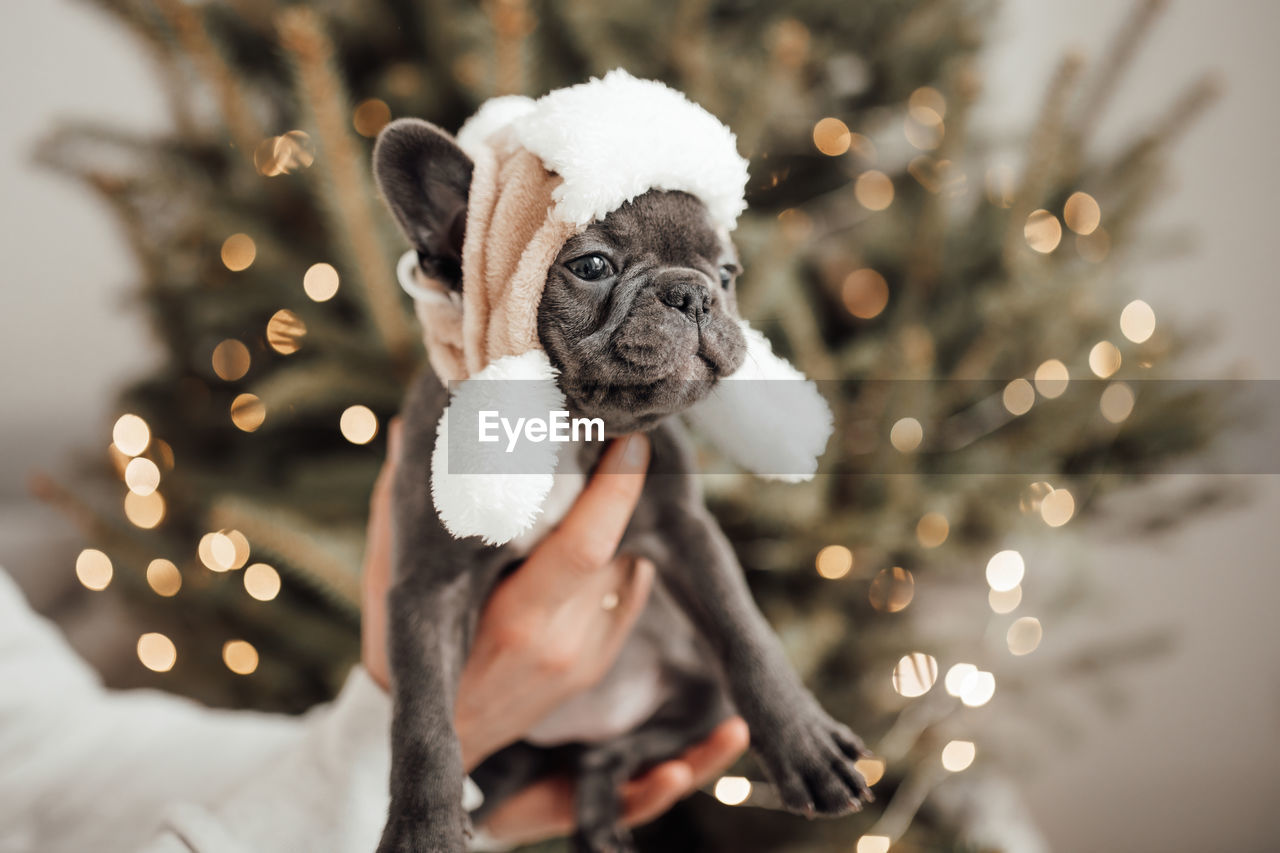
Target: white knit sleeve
{"points": [[83, 768]]}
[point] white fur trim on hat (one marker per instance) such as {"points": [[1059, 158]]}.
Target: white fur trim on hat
{"points": [[493, 115], [777, 428], [614, 138], [497, 507]]}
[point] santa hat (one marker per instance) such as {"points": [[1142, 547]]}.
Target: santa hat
{"points": [[543, 170]]}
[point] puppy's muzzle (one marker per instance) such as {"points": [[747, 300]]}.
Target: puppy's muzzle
{"points": [[688, 294]]}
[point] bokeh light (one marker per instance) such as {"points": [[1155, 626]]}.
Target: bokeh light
{"points": [[1104, 359], [874, 844], [892, 589], [262, 582], [732, 790], [238, 252], [248, 412], [874, 190], [142, 476], [978, 689], [93, 569], [865, 293], [1004, 600], [231, 360], [240, 548], [1032, 495], [915, 674], [1018, 397], [240, 656], [958, 755], [371, 116], [834, 562], [1005, 570], [320, 282], [144, 511], [280, 155], [957, 678], [1057, 507], [164, 578], [1052, 378], [285, 331], [130, 435], [217, 551], [872, 769], [1043, 232], [1024, 635], [906, 434], [358, 424], [932, 529], [831, 136], [1116, 402], [1082, 214], [1138, 321], [157, 652]]}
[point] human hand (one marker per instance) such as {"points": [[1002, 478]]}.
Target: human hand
{"points": [[545, 633]]}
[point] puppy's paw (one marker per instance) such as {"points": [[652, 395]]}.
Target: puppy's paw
{"points": [[447, 834], [610, 838], [812, 766]]}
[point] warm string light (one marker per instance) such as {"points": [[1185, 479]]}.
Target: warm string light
{"points": [[239, 252], [1057, 508], [874, 190], [280, 155], [1023, 636], [1051, 379], [164, 578], [834, 562], [915, 674], [906, 434], [93, 569], [1005, 570], [358, 424], [230, 360], [892, 590], [732, 790], [865, 293], [958, 755], [240, 657], [248, 412], [285, 331], [1116, 402], [144, 511], [142, 476], [1042, 232], [370, 117], [831, 137], [932, 529], [1004, 601], [130, 435], [320, 282], [1104, 359], [262, 582], [1082, 214], [157, 652], [1018, 397], [874, 844], [1138, 321]]}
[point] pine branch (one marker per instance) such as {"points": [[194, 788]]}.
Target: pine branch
{"points": [[349, 196]]}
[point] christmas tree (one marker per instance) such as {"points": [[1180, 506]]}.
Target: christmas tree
{"points": [[989, 371]]}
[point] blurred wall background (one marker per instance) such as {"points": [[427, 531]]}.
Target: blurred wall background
{"points": [[1190, 763]]}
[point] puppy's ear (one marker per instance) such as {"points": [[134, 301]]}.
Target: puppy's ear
{"points": [[424, 177]]}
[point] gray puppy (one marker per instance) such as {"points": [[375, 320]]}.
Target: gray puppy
{"points": [[639, 316]]}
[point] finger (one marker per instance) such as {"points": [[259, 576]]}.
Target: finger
{"points": [[651, 794], [542, 810], [632, 597], [714, 755], [588, 537]]}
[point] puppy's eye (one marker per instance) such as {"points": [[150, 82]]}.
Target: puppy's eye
{"points": [[726, 276], [590, 267]]}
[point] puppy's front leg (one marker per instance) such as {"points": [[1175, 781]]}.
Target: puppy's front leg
{"points": [[428, 643], [808, 755]]}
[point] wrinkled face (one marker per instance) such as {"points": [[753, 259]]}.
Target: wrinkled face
{"points": [[639, 313]]}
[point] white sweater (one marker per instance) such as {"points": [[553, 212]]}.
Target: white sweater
{"points": [[87, 769]]}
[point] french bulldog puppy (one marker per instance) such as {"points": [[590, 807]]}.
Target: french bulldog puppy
{"points": [[640, 319]]}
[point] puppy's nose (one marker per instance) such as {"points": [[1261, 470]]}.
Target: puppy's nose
{"points": [[689, 296]]}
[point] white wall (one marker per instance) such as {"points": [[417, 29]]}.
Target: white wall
{"points": [[1193, 763]]}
